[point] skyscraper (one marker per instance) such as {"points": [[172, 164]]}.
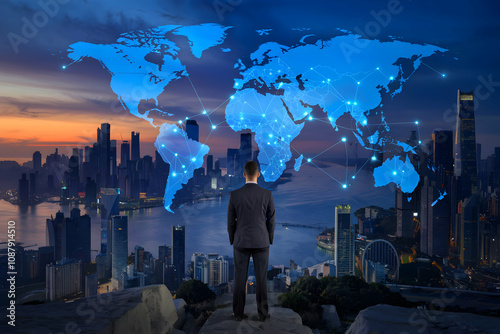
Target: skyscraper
{"points": [[24, 189], [192, 129], [54, 234], [344, 241], [465, 144], [442, 155], [124, 153], [104, 144], [37, 161], [179, 252], [63, 278], [231, 153], [120, 250], [136, 149], [210, 164], [165, 254], [469, 231], [139, 258], [76, 237], [434, 220]]}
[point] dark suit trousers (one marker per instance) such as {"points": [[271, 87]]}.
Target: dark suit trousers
{"points": [[241, 260]]}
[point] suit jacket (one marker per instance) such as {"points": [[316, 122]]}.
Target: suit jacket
{"points": [[250, 217]]}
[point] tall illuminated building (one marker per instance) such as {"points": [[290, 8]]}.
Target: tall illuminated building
{"points": [[192, 130], [466, 172], [136, 149], [179, 252], [465, 145], [120, 250], [344, 241]]}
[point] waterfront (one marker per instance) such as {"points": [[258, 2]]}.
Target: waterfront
{"points": [[309, 199]]}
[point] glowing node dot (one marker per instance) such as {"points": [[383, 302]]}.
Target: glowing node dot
{"points": [[175, 130], [162, 145], [174, 174], [420, 142], [416, 122], [378, 68], [359, 83], [64, 67], [392, 78], [310, 118], [232, 97], [311, 68], [204, 112], [344, 139], [263, 115], [348, 102], [394, 173], [183, 166], [175, 154], [213, 127], [355, 103], [270, 135], [180, 122], [443, 75], [364, 122], [309, 160], [193, 159], [344, 186], [354, 176], [374, 158]]}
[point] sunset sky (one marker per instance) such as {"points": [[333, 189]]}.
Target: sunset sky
{"points": [[43, 106]]}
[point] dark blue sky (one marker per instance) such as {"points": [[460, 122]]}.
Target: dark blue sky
{"points": [[36, 94]]}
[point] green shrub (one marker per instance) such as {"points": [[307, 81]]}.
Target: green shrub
{"points": [[194, 291]]}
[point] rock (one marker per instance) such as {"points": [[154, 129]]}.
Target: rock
{"points": [[330, 317], [393, 319], [282, 320], [181, 313], [148, 310]]}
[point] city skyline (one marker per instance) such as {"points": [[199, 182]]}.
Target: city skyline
{"points": [[125, 128]]}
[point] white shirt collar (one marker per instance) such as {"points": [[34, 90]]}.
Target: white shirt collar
{"points": [[251, 182]]}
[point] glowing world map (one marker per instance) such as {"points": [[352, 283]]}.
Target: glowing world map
{"points": [[274, 94]]}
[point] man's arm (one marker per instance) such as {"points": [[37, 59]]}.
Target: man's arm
{"points": [[231, 220], [270, 218]]}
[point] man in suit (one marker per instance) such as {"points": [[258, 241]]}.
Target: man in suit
{"points": [[250, 224]]}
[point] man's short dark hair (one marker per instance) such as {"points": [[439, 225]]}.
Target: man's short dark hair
{"points": [[251, 168]]}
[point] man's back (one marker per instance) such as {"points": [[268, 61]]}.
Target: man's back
{"points": [[251, 217]]}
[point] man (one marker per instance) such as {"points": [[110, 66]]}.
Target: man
{"points": [[250, 224]]}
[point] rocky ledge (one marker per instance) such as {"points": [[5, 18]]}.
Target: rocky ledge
{"points": [[392, 319], [143, 310]]}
